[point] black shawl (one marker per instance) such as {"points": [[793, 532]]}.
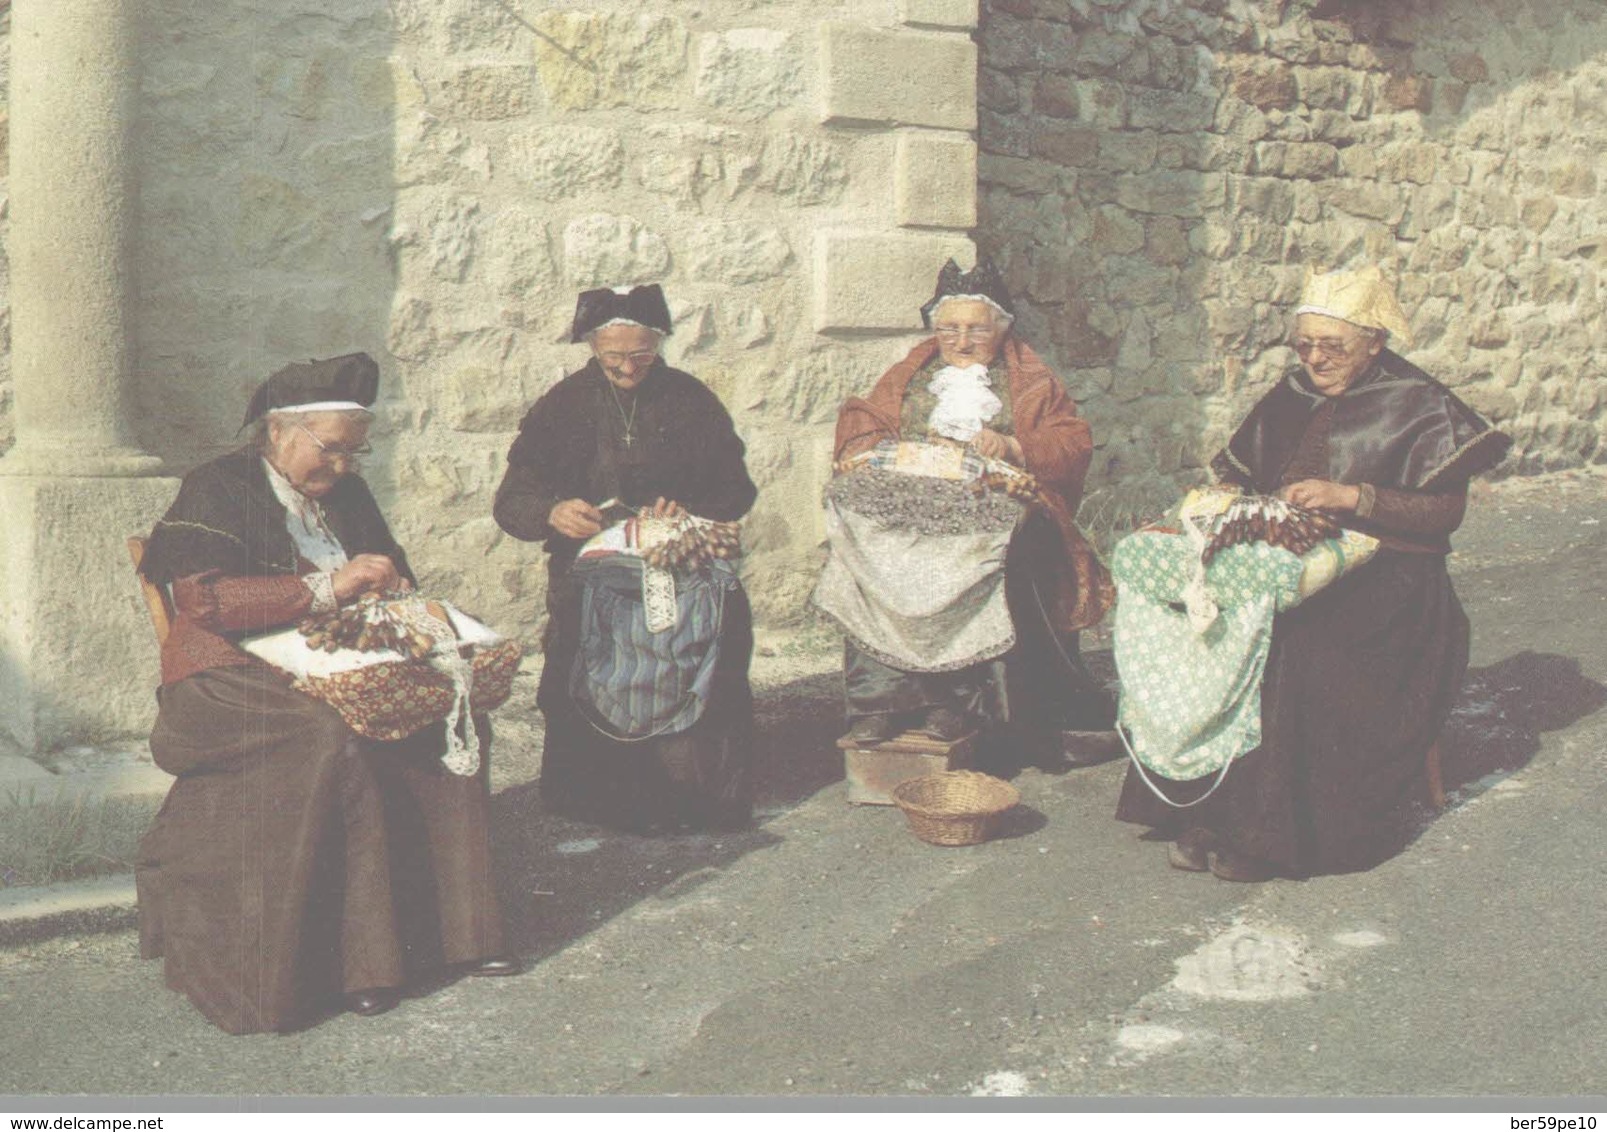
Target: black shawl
{"points": [[226, 518], [1396, 427], [687, 449]]}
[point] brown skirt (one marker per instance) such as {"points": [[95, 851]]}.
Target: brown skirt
{"points": [[294, 860]]}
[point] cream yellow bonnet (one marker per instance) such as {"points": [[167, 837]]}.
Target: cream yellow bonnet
{"points": [[1362, 297]]}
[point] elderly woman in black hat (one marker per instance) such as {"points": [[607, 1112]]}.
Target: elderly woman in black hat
{"points": [[974, 383], [630, 432], [294, 861]]}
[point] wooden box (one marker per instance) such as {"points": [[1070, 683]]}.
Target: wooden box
{"points": [[872, 771]]}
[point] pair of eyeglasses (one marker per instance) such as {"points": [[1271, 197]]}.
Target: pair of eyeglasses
{"points": [[640, 358], [335, 451], [1327, 347], [969, 333]]}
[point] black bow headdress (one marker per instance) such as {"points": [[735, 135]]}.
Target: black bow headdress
{"points": [[984, 280], [350, 378], [643, 305]]}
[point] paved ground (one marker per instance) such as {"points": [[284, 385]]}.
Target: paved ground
{"points": [[829, 952]]}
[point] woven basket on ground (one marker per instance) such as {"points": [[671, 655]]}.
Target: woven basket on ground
{"points": [[954, 807]]}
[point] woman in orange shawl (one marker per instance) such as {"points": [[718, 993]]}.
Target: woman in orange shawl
{"points": [[976, 384]]}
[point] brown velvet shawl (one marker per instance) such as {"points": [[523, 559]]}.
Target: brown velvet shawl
{"points": [[1395, 427]]}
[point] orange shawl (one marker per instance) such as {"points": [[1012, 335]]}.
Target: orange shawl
{"points": [[1055, 441]]}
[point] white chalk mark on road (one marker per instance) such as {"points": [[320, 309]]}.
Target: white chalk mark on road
{"points": [[1004, 1083], [1248, 964]]}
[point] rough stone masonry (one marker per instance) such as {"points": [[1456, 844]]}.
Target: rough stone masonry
{"points": [[1157, 175], [432, 180]]}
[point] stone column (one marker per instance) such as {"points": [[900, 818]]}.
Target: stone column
{"points": [[72, 94], [77, 660]]}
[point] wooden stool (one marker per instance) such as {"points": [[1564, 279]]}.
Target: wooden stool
{"points": [[873, 769]]}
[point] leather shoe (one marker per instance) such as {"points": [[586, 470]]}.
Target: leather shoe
{"points": [[1230, 864], [945, 725], [871, 729], [496, 967], [1191, 852], [371, 1002], [1089, 748]]}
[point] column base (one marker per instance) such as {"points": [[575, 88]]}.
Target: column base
{"points": [[68, 461], [78, 659]]}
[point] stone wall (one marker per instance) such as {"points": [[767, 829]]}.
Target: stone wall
{"points": [[1156, 175], [6, 430], [433, 180], [737, 152], [563, 148]]}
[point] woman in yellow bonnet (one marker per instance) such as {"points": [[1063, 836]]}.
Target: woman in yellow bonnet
{"points": [[1361, 676]]}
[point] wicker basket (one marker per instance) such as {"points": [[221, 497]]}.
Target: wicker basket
{"points": [[954, 807]]}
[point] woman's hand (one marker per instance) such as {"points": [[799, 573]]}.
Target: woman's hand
{"points": [[997, 446], [667, 509], [575, 518], [1322, 495], [364, 573]]}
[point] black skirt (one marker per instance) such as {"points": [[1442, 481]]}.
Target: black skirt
{"points": [[701, 776], [1360, 681]]}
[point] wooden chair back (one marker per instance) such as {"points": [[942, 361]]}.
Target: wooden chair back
{"points": [[156, 598]]}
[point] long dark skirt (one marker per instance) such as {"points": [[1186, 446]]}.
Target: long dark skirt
{"points": [[701, 776], [294, 860], [1040, 685], [1360, 680]]}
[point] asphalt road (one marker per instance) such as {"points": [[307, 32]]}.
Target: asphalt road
{"points": [[829, 952]]}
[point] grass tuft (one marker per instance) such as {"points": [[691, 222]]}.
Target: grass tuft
{"points": [[70, 839]]}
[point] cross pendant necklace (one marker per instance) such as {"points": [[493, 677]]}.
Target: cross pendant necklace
{"points": [[629, 419]]}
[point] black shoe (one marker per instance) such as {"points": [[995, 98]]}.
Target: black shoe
{"points": [[945, 725], [496, 967], [371, 1002], [871, 729], [1089, 748], [1230, 864], [1191, 852]]}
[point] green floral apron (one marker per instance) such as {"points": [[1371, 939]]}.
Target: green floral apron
{"points": [[1191, 686]]}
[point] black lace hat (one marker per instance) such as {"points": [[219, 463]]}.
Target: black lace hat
{"points": [[984, 280], [642, 305], [350, 381]]}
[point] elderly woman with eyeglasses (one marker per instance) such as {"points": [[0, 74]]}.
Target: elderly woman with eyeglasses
{"points": [[631, 434], [1361, 676], [973, 383], [295, 862]]}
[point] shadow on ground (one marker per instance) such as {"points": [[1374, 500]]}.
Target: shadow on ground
{"points": [[561, 879], [1496, 725]]}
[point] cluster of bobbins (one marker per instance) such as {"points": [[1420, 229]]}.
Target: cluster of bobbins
{"points": [[1018, 485], [1268, 519], [367, 625], [697, 543]]}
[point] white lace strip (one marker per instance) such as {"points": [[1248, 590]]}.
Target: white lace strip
{"points": [[322, 585], [658, 598], [462, 755]]}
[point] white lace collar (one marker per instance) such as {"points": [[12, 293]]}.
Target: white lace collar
{"points": [[305, 521], [966, 401]]}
